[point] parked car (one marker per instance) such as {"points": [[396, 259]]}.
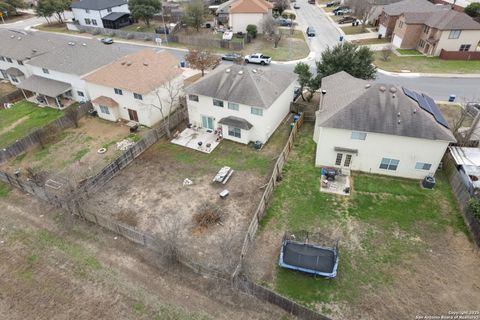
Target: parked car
{"points": [[258, 58], [107, 40], [310, 32], [311, 1], [283, 22], [231, 56], [347, 19], [296, 6], [333, 3], [342, 11]]}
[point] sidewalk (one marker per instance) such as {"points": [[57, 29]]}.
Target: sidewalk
{"points": [[427, 75], [361, 36]]}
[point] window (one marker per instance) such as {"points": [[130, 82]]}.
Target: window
{"points": [[464, 47], [338, 161], [118, 91], [423, 166], [94, 22], [193, 97], [2, 58], [14, 79], [426, 29], [109, 10], [233, 106], [104, 109], [400, 24], [87, 21], [20, 62], [348, 160], [389, 164], [454, 34], [87, 11], [80, 94], [218, 103], [421, 43], [234, 132], [9, 60], [137, 96], [358, 135], [257, 111], [45, 70]]}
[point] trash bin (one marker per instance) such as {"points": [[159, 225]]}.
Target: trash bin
{"points": [[296, 117], [182, 64], [451, 98], [341, 38], [258, 145], [428, 182], [379, 36]]}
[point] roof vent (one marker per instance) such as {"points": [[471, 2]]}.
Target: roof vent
{"points": [[84, 44], [145, 63], [129, 64], [227, 71], [399, 121], [394, 96], [414, 111], [240, 72], [122, 63], [34, 50], [368, 85], [71, 43], [19, 38], [393, 89], [382, 89], [254, 70], [398, 114], [12, 36]]}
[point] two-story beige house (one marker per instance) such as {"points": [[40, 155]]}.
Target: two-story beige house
{"points": [[431, 32]]}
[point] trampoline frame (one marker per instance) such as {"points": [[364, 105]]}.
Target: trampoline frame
{"points": [[329, 275]]}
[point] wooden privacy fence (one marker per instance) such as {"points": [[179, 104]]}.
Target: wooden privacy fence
{"points": [[462, 194], [33, 138], [309, 115], [113, 168], [267, 194], [11, 97]]}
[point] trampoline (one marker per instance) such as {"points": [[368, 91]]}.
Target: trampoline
{"points": [[308, 258]]}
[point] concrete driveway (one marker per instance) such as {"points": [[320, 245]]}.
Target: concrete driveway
{"points": [[326, 33]]}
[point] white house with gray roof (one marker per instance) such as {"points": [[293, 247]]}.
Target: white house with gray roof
{"points": [[51, 66], [111, 14], [378, 128], [246, 104]]}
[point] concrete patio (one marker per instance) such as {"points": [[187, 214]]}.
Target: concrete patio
{"points": [[338, 186], [191, 138]]}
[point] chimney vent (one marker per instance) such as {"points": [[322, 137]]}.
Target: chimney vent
{"points": [[398, 114], [254, 70], [399, 121], [394, 96], [227, 71], [414, 111], [368, 85]]}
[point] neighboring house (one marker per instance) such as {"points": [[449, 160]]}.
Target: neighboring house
{"points": [[392, 12], [378, 128], [432, 32], [238, 14], [467, 162], [247, 104], [377, 9], [51, 66], [458, 5], [130, 87], [112, 14]]}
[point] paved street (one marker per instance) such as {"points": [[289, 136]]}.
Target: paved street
{"points": [[326, 33]]}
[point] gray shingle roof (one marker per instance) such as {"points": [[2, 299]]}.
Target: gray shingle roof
{"points": [[443, 20], [396, 9], [48, 87], [12, 71], [114, 16], [236, 122], [97, 4], [258, 87], [355, 104], [56, 52]]}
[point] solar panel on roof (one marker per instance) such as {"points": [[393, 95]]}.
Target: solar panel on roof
{"points": [[423, 103], [410, 93], [436, 111]]}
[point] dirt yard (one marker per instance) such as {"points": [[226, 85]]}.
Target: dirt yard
{"points": [[56, 268], [73, 153], [150, 195]]}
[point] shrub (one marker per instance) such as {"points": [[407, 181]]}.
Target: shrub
{"points": [[130, 36], [96, 32], [252, 30], [474, 208], [81, 31]]}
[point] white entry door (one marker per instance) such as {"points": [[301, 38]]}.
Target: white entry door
{"points": [[397, 41], [207, 122]]}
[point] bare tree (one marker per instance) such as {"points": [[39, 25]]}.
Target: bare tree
{"points": [[171, 238], [268, 25], [362, 9], [46, 135], [387, 52], [281, 5], [73, 115], [277, 36], [461, 133], [202, 59]]}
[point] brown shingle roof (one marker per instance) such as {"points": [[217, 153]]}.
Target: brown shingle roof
{"points": [[443, 20], [396, 9], [140, 72], [105, 101], [251, 6]]}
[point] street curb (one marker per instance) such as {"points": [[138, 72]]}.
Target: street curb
{"points": [[325, 13], [427, 75]]}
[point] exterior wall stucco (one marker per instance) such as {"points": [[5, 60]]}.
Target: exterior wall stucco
{"points": [[240, 21], [409, 33], [147, 115], [80, 14], [376, 146], [388, 22], [263, 126], [4, 65], [471, 37]]}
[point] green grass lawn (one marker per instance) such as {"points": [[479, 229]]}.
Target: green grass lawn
{"points": [[409, 52], [371, 41], [384, 215], [354, 30], [427, 64], [53, 27], [22, 118], [4, 189], [140, 27], [290, 47]]}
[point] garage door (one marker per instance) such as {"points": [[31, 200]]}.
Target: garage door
{"points": [[397, 41], [382, 30]]}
